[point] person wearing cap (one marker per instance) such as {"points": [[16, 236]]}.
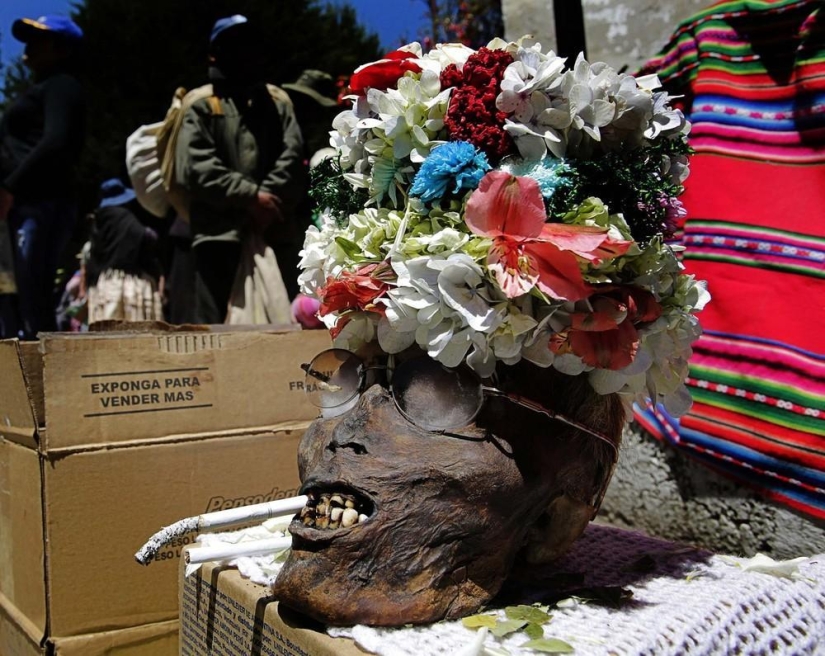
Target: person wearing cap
{"points": [[41, 137], [315, 98], [239, 156], [123, 273]]}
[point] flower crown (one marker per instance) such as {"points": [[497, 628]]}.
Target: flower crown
{"points": [[494, 205]]}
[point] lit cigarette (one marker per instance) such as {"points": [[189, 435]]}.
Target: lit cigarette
{"points": [[199, 555], [217, 520]]}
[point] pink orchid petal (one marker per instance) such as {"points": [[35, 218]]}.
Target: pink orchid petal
{"points": [[515, 272], [588, 242], [506, 205], [559, 273], [608, 349]]}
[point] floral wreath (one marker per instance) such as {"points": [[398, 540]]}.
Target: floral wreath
{"points": [[494, 205]]}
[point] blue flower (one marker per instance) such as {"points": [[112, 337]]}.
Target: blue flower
{"points": [[455, 163], [548, 172]]}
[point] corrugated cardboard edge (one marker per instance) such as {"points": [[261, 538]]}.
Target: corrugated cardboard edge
{"points": [[55, 454], [18, 635], [158, 639], [22, 546], [16, 393], [253, 596]]}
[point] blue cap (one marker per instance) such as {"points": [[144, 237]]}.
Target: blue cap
{"points": [[23, 28], [114, 192], [223, 24]]}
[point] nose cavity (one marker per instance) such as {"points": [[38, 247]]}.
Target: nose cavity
{"points": [[352, 431]]}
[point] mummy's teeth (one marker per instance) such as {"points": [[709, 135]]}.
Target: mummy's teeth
{"points": [[331, 511], [349, 517]]}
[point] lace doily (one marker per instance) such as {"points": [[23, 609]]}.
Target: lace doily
{"points": [[675, 600]]}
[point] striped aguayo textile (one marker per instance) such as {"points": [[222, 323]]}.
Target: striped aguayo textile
{"points": [[753, 79]]}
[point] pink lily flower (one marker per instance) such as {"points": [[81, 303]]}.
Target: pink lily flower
{"points": [[527, 251]]}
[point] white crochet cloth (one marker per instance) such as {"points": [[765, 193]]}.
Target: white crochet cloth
{"points": [[684, 601]]}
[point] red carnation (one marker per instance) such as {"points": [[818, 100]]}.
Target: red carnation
{"points": [[383, 73], [472, 115]]}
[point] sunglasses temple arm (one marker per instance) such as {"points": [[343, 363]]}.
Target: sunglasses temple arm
{"points": [[309, 371], [532, 405]]}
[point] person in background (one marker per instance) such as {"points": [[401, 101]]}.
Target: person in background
{"points": [[41, 137], [123, 275], [315, 99], [239, 156]]}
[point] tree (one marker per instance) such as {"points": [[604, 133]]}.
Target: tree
{"points": [[137, 53], [471, 22]]}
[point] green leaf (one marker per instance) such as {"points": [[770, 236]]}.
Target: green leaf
{"points": [[506, 627], [527, 613], [352, 249], [478, 621], [534, 631], [549, 646]]}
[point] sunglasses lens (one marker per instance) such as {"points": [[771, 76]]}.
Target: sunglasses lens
{"points": [[436, 398], [332, 378]]}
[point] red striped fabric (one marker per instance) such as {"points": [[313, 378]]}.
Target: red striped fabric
{"points": [[753, 79]]}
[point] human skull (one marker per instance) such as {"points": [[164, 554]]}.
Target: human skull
{"points": [[410, 526]]}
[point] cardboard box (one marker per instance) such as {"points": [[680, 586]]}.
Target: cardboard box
{"points": [[82, 487], [70, 525], [224, 614], [71, 391], [16, 639]]}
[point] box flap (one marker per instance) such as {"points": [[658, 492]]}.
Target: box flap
{"points": [[159, 639], [17, 412], [22, 560], [109, 387], [18, 636]]}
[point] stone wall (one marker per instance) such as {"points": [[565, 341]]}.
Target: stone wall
{"points": [[623, 33], [662, 492]]}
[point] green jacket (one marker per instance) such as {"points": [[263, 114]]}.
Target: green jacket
{"points": [[229, 147]]}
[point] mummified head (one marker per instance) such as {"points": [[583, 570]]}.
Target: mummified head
{"points": [[425, 491]]}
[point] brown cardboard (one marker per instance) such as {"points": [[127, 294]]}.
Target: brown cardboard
{"points": [[108, 388], [16, 639], [17, 398], [222, 613], [22, 550], [160, 639], [100, 505]]}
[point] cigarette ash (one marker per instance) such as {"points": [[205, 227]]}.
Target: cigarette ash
{"points": [[163, 537]]}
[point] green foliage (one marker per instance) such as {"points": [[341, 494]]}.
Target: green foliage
{"points": [[628, 178], [137, 53], [329, 190]]}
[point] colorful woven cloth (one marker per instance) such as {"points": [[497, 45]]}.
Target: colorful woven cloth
{"points": [[753, 78]]}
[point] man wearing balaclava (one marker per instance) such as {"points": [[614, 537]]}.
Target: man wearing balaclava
{"points": [[239, 156]]}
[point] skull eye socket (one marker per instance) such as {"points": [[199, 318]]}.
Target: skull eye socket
{"points": [[434, 397], [333, 378]]}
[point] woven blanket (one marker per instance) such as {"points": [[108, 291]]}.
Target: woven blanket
{"points": [[619, 592], [752, 74]]}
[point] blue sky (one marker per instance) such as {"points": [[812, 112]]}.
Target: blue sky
{"points": [[393, 20]]}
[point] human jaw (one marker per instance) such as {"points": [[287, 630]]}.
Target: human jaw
{"points": [[437, 529]]}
